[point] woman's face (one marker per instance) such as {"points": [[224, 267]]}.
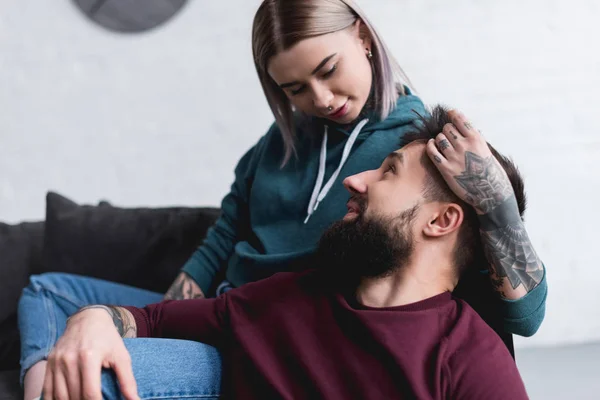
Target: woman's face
{"points": [[327, 76]]}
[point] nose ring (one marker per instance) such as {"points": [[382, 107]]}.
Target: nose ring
{"points": [[330, 108]]}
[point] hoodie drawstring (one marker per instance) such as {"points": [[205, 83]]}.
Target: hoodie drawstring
{"points": [[320, 192]]}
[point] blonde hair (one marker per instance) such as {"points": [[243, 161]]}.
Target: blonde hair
{"points": [[280, 24]]}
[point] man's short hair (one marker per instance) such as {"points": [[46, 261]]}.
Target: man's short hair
{"points": [[469, 252]]}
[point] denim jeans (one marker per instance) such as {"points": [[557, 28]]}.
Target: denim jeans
{"points": [[164, 368]]}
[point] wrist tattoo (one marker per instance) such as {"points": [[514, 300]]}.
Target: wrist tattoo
{"points": [[122, 320]]}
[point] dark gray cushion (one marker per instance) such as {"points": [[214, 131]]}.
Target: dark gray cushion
{"points": [[143, 247], [20, 253], [9, 385], [10, 344]]}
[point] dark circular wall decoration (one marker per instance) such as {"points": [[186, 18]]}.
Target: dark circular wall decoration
{"points": [[130, 15]]}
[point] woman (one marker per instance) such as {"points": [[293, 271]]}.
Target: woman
{"points": [[340, 107]]}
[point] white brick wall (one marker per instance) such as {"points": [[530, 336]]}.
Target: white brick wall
{"points": [[161, 118]]}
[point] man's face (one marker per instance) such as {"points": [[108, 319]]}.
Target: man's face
{"points": [[376, 237], [397, 186]]}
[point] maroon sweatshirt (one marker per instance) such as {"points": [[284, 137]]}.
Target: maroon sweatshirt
{"points": [[293, 337]]}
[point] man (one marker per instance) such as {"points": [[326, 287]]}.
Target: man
{"points": [[376, 320]]}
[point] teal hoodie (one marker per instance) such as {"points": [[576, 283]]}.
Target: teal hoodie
{"points": [[264, 229]]}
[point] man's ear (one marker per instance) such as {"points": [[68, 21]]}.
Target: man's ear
{"points": [[447, 218]]}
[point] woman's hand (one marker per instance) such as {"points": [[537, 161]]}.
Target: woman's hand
{"points": [[464, 159], [471, 170], [90, 342]]}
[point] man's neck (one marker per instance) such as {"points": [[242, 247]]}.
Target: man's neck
{"points": [[405, 286]]}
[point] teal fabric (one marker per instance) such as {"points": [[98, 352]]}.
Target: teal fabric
{"points": [[524, 316], [261, 230]]}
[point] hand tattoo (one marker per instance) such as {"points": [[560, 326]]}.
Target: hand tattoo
{"points": [[437, 159], [184, 288], [485, 182], [122, 319]]}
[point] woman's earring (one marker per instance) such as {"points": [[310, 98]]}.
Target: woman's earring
{"points": [[369, 54]]}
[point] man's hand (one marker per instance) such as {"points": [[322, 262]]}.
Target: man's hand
{"points": [[184, 288], [92, 341], [464, 159]]}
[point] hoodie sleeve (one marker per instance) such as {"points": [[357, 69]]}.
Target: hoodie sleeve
{"points": [[219, 244], [524, 316]]}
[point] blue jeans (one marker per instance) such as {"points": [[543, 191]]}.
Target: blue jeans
{"points": [[163, 368]]}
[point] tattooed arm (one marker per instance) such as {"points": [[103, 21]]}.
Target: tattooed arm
{"points": [[475, 175], [184, 288], [515, 268]]}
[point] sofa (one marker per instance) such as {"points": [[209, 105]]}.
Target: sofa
{"points": [[142, 247]]}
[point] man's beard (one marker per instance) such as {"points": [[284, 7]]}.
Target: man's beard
{"points": [[372, 247]]}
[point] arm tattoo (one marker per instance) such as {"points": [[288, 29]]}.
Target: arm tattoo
{"points": [[507, 246], [122, 319], [509, 250], [183, 288], [485, 182]]}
